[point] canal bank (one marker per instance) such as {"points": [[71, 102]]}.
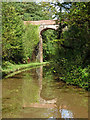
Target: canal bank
{"points": [[12, 69]]}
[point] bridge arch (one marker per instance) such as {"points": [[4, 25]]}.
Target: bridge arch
{"points": [[46, 29], [44, 25], [43, 28]]}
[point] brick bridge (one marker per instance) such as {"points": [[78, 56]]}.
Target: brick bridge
{"points": [[44, 25]]}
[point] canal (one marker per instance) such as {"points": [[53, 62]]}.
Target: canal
{"points": [[37, 93]]}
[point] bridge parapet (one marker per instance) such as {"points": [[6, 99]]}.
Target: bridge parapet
{"points": [[42, 22]]}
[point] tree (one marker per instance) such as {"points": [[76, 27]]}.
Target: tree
{"points": [[12, 33], [56, 9], [79, 20], [31, 11], [72, 54]]}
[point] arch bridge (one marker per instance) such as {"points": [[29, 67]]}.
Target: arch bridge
{"points": [[44, 25]]}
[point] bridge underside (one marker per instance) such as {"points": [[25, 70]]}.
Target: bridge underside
{"points": [[43, 28]]}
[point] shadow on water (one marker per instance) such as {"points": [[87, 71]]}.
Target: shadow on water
{"points": [[37, 94]]}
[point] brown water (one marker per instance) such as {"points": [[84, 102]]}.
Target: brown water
{"points": [[36, 94]]}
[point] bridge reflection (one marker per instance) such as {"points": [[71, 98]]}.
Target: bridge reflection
{"points": [[60, 110], [45, 98]]}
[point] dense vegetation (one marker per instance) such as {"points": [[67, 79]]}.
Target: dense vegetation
{"points": [[68, 50], [31, 39], [12, 33], [19, 41], [72, 51], [49, 44], [31, 11]]}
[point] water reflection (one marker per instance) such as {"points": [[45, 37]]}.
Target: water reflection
{"points": [[41, 94], [36, 94], [66, 113]]}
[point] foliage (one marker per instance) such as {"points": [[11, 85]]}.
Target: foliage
{"points": [[31, 39], [49, 45], [12, 33], [73, 61], [31, 11], [79, 14], [69, 50], [73, 47], [18, 40], [79, 76]]}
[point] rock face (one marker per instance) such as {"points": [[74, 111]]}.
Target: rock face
{"points": [[44, 25]]}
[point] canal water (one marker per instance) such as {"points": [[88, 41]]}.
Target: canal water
{"points": [[37, 93]]}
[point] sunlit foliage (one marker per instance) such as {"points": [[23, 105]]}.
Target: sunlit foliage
{"points": [[12, 33]]}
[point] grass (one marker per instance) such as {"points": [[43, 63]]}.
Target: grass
{"points": [[15, 69]]}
